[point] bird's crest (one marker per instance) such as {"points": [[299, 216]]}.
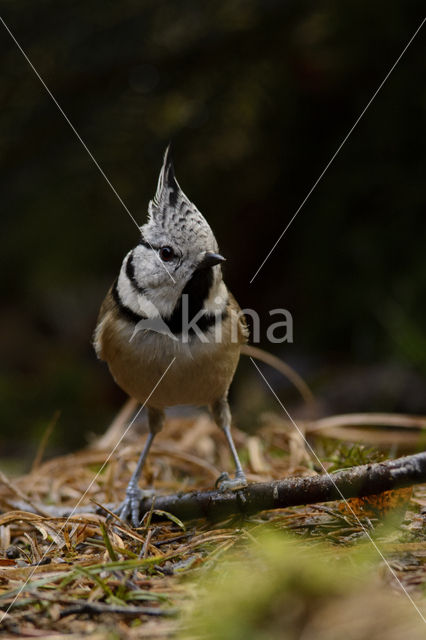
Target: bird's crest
{"points": [[169, 196], [173, 218], [168, 188]]}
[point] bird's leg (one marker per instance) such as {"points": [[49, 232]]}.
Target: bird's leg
{"points": [[129, 509], [222, 416]]}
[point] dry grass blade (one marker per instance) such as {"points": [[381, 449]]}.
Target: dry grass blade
{"points": [[16, 491], [282, 367], [385, 429], [44, 440], [370, 419]]}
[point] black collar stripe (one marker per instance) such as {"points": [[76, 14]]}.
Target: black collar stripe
{"points": [[130, 273], [125, 311]]}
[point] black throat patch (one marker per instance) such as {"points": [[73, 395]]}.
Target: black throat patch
{"points": [[196, 291]]}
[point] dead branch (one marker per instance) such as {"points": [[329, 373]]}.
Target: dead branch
{"points": [[96, 608], [357, 482]]}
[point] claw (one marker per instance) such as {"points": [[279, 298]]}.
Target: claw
{"points": [[129, 508], [226, 483], [222, 478]]}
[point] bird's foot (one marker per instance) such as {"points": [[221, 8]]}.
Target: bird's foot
{"points": [[129, 508], [226, 483]]}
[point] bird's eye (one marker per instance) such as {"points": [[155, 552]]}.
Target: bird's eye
{"points": [[166, 254]]}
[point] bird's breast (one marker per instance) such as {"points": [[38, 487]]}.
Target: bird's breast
{"points": [[160, 371]]}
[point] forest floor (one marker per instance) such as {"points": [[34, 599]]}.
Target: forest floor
{"points": [[314, 571]]}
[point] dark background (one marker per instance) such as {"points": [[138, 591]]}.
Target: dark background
{"points": [[256, 97]]}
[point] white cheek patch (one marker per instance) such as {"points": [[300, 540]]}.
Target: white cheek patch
{"points": [[125, 288], [152, 295], [131, 298]]}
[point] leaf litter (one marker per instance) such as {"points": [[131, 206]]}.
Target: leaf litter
{"points": [[86, 575]]}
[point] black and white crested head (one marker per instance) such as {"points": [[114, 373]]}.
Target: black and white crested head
{"points": [[172, 214], [177, 254]]}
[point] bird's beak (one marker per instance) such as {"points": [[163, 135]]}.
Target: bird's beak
{"points": [[210, 259]]}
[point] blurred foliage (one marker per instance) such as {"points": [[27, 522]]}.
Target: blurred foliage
{"points": [[279, 590], [256, 97]]}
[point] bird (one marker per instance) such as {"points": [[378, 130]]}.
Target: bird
{"points": [[169, 329]]}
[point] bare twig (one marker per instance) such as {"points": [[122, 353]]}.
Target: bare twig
{"points": [[355, 482], [358, 481], [93, 608]]}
